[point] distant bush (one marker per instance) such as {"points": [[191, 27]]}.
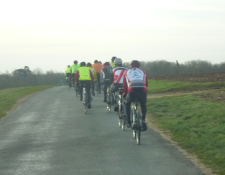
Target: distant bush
{"points": [[26, 77]]}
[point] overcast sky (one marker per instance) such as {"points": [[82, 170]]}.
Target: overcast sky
{"points": [[51, 34]]}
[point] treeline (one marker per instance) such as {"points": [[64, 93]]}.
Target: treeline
{"points": [[162, 67], [26, 77]]}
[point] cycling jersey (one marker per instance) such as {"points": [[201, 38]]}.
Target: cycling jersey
{"points": [[97, 67], [74, 68], [93, 72], [83, 73], [135, 79], [112, 64], [68, 70], [106, 73], [118, 74]]}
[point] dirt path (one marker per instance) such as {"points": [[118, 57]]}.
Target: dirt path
{"points": [[167, 135]]}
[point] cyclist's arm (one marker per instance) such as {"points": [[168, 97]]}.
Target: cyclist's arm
{"points": [[111, 78], [146, 80], [125, 88], [92, 77], [101, 76], [77, 77]]}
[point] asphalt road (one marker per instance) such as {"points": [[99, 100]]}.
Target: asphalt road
{"points": [[49, 134]]}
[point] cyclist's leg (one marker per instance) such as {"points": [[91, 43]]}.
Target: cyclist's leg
{"points": [[81, 90], [143, 100], [106, 84], [88, 86], [93, 88], [113, 89], [128, 107], [73, 79], [98, 81]]}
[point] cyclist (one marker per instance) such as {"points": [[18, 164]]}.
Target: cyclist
{"points": [[98, 67], [117, 79], [105, 77], [84, 76], [74, 69], [135, 84], [95, 78], [112, 62], [68, 73]]}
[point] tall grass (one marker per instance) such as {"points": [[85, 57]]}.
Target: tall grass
{"points": [[8, 97]]}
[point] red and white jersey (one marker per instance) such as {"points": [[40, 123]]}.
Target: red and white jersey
{"points": [[135, 78], [118, 74]]}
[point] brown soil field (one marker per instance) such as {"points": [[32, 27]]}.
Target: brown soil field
{"points": [[200, 78]]}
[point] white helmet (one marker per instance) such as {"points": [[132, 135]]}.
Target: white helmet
{"points": [[118, 61]]}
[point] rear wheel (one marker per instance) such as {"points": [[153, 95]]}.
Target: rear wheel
{"points": [[108, 100], [134, 133], [123, 124], [138, 138], [120, 122]]}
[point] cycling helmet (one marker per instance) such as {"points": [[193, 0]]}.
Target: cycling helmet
{"points": [[106, 64], [82, 64], [118, 61], [96, 61], [75, 61], [89, 64], [135, 63], [68, 66], [113, 58]]}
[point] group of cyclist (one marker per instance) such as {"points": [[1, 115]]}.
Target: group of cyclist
{"points": [[114, 75]]}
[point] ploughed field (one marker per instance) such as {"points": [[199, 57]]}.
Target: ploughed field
{"points": [[201, 78], [217, 96]]}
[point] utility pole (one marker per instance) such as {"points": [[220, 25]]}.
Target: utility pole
{"points": [[178, 68]]}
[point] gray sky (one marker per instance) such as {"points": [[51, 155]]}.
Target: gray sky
{"points": [[51, 34]]}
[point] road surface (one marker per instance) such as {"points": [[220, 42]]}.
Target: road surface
{"points": [[49, 134]]}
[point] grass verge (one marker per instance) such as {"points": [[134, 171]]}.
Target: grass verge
{"points": [[197, 125], [8, 97], [156, 86]]}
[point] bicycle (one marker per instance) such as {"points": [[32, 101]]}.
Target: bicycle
{"points": [[109, 99], [121, 110], [136, 121]]}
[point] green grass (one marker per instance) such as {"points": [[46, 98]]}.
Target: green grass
{"points": [[156, 86], [9, 97], [197, 125]]}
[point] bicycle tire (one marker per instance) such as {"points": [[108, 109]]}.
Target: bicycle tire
{"points": [[120, 122], [138, 128], [123, 124], [138, 137], [134, 134], [108, 99]]}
